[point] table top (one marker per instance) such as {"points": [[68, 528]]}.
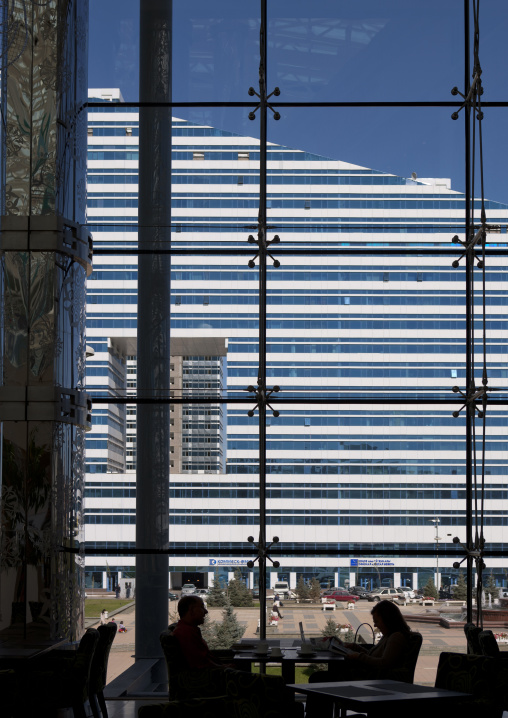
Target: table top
{"points": [[17, 644], [246, 643], [289, 654], [376, 691], [17, 652]]}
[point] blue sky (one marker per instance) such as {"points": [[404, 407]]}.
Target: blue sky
{"points": [[328, 50]]}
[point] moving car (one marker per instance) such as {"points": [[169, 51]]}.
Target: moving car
{"points": [[188, 588], [386, 594]]}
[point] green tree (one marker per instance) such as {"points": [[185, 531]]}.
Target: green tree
{"points": [[460, 588], [430, 589], [223, 634], [315, 590], [331, 628], [302, 590], [490, 587], [208, 631], [238, 593], [217, 594]]}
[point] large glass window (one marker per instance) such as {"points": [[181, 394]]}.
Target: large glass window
{"points": [[318, 327]]}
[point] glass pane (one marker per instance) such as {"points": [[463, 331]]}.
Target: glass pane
{"points": [[495, 145], [398, 141], [366, 51], [215, 50], [494, 72], [215, 182], [114, 46]]}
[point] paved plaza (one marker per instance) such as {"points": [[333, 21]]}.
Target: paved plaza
{"points": [[435, 638]]}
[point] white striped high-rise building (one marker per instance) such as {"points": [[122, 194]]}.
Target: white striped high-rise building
{"points": [[381, 324]]}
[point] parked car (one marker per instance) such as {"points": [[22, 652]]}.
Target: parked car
{"points": [[342, 595], [359, 591], [188, 588], [172, 596], [281, 588], [386, 594], [407, 591], [328, 591], [203, 592]]}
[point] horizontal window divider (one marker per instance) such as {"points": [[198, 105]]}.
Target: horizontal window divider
{"points": [[395, 103], [324, 251], [285, 400], [247, 552]]}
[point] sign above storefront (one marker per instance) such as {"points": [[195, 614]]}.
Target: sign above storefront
{"points": [[228, 561], [374, 562]]}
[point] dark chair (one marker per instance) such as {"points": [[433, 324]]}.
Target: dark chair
{"points": [[488, 645], [186, 683], [9, 690], [191, 708], [249, 695], [406, 671], [472, 633], [221, 692], [99, 668], [470, 673], [355, 671], [220, 655], [59, 679]]}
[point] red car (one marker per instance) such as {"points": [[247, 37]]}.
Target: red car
{"points": [[342, 595]]}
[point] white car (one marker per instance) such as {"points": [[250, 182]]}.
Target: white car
{"points": [[188, 589], [386, 594], [408, 592]]}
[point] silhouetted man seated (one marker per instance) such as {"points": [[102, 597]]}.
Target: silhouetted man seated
{"points": [[192, 612]]}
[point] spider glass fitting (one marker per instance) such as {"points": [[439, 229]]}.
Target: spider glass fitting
{"points": [[263, 245], [252, 92], [262, 549], [262, 396]]}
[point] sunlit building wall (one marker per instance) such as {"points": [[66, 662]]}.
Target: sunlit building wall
{"points": [[339, 474]]}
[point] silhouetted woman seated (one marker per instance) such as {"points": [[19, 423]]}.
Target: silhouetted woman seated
{"points": [[367, 661]]}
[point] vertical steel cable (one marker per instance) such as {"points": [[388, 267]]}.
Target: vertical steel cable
{"points": [[262, 315], [483, 219], [475, 237], [469, 475]]}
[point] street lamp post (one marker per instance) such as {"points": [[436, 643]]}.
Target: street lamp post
{"points": [[437, 539]]}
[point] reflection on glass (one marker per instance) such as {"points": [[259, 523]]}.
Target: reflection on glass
{"points": [[215, 50], [364, 51]]}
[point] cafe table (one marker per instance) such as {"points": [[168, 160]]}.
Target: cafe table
{"points": [[244, 658], [377, 697], [17, 645]]}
